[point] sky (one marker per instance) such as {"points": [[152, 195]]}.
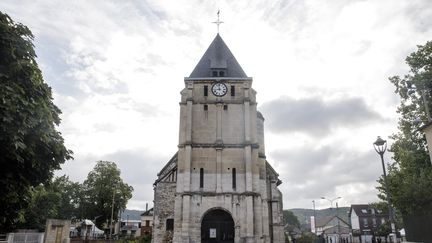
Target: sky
{"points": [[320, 69]]}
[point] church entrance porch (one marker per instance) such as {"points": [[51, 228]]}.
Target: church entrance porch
{"points": [[217, 226]]}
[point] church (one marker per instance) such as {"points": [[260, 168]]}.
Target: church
{"points": [[218, 187]]}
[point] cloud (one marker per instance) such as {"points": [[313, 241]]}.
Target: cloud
{"points": [[138, 167], [117, 68], [310, 173], [316, 116]]}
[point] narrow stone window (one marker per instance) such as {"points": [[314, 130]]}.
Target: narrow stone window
{"points": [[205, 107], [201, 177], [205, 90], [225, 107], [214, 73], [169, 224], [221, 74], [234, 181], [232, 90]]}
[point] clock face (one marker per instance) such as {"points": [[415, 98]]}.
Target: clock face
{"points": [[219, 89]]}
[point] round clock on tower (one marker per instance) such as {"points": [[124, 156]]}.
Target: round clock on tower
{"points": [[219, 89]]}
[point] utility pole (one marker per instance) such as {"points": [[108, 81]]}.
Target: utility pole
{"points": [[314, 211], [337, 215], [112, 215]]}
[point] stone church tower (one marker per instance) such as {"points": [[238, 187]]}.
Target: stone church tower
{"points": [[219, 186]]}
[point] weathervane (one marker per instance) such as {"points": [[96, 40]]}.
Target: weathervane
{"points": [[218, 22]]}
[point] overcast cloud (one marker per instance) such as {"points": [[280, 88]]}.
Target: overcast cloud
{"points": [[320, 69], [315, 116]]}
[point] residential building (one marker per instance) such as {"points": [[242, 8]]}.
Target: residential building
{"points": [[333, 228], [130, 228], [147, 222], [365, 220]]}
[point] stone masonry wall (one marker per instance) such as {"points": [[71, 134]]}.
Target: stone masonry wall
{"points": [[163, 210]]}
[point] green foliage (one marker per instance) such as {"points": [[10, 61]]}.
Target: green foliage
{"points": [[44, 204], [382, 206], [306, 238], [58, 199], [70, 194], [103, 184], [410, 176], [30, 146], [290, 219], [383, 229], [145, 239], [64, 199]]}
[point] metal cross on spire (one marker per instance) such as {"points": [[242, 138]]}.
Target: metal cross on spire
{"points": [[218, 22]]}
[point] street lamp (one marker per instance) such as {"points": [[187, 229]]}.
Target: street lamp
{"points": [[337, 212], [331, 200], [380, 146]]}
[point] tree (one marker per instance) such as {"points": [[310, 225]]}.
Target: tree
{"points": [[290, 219], [30, 146], [306, 237], [410, 176], [103, 184], [58, 199], [70, 194], [44, 204]]}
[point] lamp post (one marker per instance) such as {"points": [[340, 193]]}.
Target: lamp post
{"points": [[337, 212], [112, 215], [331, 200], [380, 146]]}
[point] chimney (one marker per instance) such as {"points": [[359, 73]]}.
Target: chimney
{"points": [[146, 207]]}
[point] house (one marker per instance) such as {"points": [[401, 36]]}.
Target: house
{"points": [[333, 228], [147, 222], [129, 228], [365, 221]]}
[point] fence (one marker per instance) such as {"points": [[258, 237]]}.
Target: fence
{"points": [[25, 238]]}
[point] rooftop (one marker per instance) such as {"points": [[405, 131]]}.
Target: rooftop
{"points": [[218, 61]]}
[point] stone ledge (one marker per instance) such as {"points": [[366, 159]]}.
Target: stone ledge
{"points": [[212, 194], [218, 145]]}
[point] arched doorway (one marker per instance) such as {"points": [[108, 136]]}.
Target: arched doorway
{"points": [[217, 226]]}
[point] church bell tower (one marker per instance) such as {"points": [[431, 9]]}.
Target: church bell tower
{"points": [[225, 190]]}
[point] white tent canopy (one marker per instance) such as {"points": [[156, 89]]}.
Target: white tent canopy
{"points": [[92, 229]]}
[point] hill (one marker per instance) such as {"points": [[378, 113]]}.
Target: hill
{"points": [[304, 214], [133, 214]]}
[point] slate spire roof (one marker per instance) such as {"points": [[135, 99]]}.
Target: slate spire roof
{"points": [[218, 61]]}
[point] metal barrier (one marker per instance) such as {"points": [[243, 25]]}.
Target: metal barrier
{"points": [[25, 238]]}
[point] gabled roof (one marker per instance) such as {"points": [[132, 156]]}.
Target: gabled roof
{"points": [[169, 167], [218, 57], [148, 212], [363, 210], [323, 221]]}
